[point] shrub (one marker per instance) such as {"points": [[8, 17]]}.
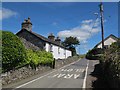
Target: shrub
{"points": [[36, 58], [13, 51], [46, 57], [111, 65], [95, 53], [33, 58]]}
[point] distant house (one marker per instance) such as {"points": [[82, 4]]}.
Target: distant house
{"points": [[107, 41], [32, 40]]}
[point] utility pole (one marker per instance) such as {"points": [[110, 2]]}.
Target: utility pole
{"points": [[102, 28]]}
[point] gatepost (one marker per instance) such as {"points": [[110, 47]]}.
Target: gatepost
{"points": [[53, 64]]}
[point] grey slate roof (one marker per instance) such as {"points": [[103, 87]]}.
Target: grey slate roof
{"points": [[43, 38]]}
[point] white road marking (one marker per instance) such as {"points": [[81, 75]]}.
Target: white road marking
{"points": [[67, 70], [76, 76], [53, 76], [79, 70], [84, 81], [68, 76], [44, 75], [70, 70], [60, 75]]}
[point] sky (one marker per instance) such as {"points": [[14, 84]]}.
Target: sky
{"points": [[63, 19]]}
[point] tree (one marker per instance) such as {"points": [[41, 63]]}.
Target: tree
{"points": [[71, 43]]}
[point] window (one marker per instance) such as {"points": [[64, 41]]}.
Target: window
{"points": [[64, 52], [58, 50], [51, 48]]}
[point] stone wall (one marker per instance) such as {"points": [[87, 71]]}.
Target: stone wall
{"points": [[26, 72], [61, 62], [22, 73]]}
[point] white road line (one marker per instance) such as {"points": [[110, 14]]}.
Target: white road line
{"points": [[84, 81], [44, 75]]}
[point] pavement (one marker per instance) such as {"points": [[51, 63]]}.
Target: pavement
{"points": [[73, 75], [90, 78]]}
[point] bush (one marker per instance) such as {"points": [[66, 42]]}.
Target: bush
{"points": [[13, 51], [111, 65], [33, 59], [36, 58], [46, 57], [95, 53]]}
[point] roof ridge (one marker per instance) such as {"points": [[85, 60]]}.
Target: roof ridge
{"points": [[43, 38], [111, 35]]}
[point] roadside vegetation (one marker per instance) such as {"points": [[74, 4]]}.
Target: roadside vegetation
{"points": [[36, 58], [109, 62], [14, 54], [13, 51]]}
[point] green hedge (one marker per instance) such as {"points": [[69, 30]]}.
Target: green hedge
{"points": [[36, 58], [95, 53], [45, 57], [14, 54], [111, 65], [13, 51]]}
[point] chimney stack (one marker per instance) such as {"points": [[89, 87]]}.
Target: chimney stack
{"points": [[58, 40], [51, 37], [27, 24]]}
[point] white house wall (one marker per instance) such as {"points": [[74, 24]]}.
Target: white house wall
{"points": [[47, 47], [58, 52], [109, 41], [68, 53]]}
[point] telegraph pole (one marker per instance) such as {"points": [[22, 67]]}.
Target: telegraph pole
{"points": [[102, 28]]}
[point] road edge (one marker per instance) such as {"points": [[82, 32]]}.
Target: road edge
{"points": [[44, 75]]}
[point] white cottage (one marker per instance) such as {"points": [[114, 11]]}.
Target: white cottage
{"points": [[35, 41], [107, 41]]}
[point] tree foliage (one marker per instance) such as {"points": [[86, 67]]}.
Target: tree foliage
{"points": [[13, 51], [71, 43]]}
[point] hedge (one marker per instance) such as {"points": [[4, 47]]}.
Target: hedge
{"points": [[14, 54], [95, 53], [111, 65], [36, 58], [13, 51]]}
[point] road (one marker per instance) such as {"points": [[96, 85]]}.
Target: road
{"points": [[70, 76]]}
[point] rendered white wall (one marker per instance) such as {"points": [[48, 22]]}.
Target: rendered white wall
{"points": [[109, 41], [47, 47], [63, 53], [68, 53]]}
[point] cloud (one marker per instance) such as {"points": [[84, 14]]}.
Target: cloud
{"points": [[84, 31], [54, 23], [87, 21], [6, 13]]}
